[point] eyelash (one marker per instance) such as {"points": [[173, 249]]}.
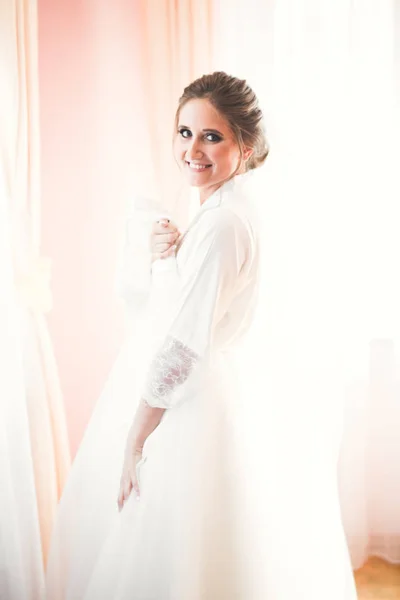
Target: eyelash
{"points": [[214, 135]]}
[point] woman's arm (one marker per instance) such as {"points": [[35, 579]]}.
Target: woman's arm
{"points": [[204, 286], [146, 420], [206, 283]]}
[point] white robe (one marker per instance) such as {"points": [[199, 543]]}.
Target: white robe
{"points": [[196, 532]]}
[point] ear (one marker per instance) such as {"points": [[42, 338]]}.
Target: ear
{"points": [[247, 153]]}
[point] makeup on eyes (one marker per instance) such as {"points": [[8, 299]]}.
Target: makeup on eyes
{"points": [[213, 132]]}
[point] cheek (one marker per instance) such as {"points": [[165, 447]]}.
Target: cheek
{"points": [[228, 158], [220, 155], [226, 155]]}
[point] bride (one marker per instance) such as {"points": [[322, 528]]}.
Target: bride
{"points": [[177, 524]]}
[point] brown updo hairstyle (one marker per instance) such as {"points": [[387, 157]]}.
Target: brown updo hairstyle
{"points": [[234, 99]]}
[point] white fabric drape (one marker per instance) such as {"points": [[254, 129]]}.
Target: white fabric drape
{"points": [[34, 407], [326, 76], [21, 563]]}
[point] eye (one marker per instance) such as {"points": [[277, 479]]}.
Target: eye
{"points": [[213, 137], [185, 133]]}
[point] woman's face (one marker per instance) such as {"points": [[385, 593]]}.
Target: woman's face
{"points": [[205, 147]]}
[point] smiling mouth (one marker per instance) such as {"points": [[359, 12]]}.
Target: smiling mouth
{"points": [[197, 167]]}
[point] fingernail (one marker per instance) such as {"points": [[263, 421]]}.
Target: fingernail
{"points": [[138, 498]]}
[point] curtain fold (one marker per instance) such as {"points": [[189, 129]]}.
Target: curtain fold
{"points": [[175, 48], [20, 159]]}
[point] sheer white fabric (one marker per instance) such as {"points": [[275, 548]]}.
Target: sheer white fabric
{"points": [[21, 559], [369, 475], [133, 272], [327, 75], [34, 454]]}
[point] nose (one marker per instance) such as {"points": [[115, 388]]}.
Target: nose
{"points": [[194, 151]]}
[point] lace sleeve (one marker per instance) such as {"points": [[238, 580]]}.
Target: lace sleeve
{"points": [[169, 370]]}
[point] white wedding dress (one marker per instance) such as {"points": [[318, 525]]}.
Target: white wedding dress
{"points": [[183, 540], [197, 532]]}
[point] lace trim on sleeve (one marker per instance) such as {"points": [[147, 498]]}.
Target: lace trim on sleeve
{"points": [[170, 368]]}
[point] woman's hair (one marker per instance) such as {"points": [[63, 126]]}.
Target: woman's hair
{"points": [[237, 103]]}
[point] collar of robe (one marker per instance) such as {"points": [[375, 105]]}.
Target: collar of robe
{"points": [[221, 195]]}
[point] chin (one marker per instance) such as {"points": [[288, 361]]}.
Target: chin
{"points": [[199, 179]]}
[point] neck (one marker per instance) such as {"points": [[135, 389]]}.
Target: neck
{"points": [[206, 193]]}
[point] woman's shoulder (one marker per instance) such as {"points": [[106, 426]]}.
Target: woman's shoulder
{"points": [[223, 220], [240, 194], [239, 206], [233, 213]]}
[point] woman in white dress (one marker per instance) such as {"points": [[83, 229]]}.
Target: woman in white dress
{"points": [[169, 416]]}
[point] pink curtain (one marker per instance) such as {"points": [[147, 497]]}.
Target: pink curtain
{"points": [[176, 48], [110, 77]]}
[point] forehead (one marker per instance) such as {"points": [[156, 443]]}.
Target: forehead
{"points": [[201, 114]]}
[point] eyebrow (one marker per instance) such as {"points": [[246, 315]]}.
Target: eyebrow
{"points": [[204, 130]]}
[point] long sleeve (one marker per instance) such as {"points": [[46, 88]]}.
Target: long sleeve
{"points": [[215, 253]]}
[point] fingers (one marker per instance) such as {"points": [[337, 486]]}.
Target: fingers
{"points": [[169, 252], [127, 485], [124, 492], [120, 500], [163, 239], [161, 248], [166, 238], [161, 227], [164, 245]]}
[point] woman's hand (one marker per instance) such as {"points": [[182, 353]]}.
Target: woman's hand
{"points": [[163, 239], [129, 482], [147, 419]]}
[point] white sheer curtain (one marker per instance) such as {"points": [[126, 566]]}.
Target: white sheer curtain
{"points": [[36, 455], [328, 326], [21, 562]]}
